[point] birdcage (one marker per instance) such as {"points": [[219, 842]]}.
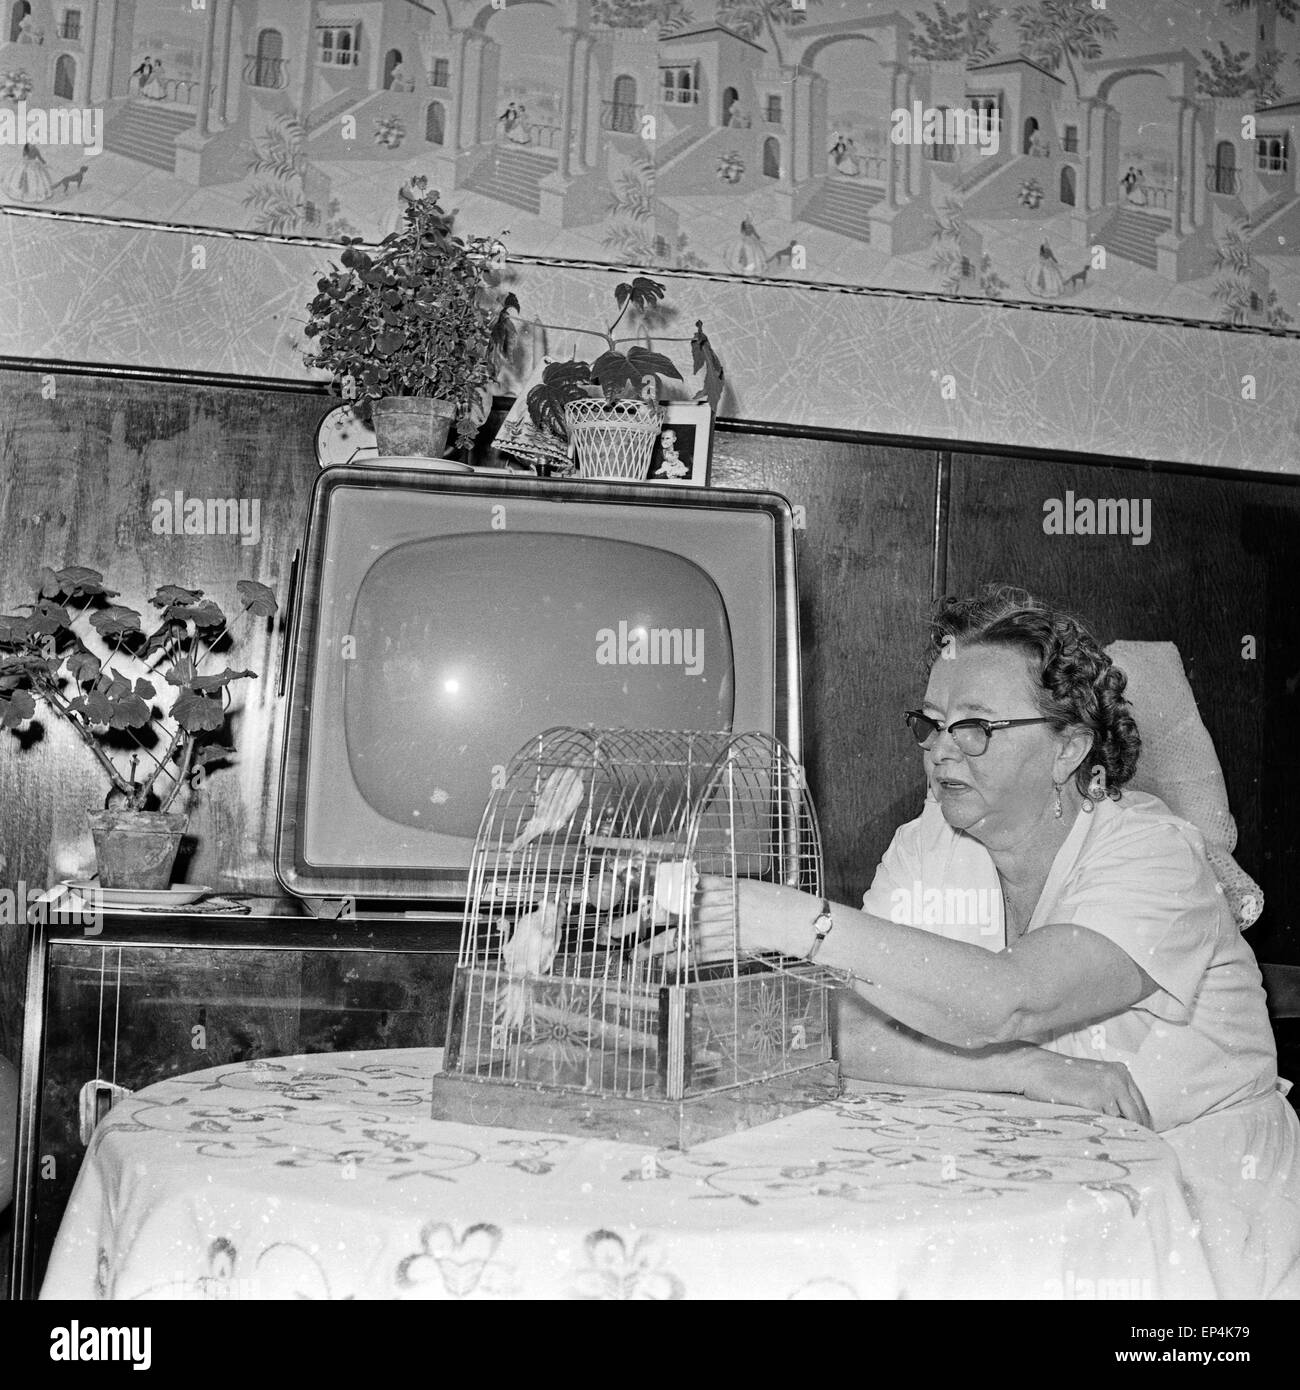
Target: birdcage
{"points": [[601, 985]]}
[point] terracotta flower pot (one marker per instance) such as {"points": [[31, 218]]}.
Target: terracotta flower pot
{"points": [[136, 849], [412, 426]]}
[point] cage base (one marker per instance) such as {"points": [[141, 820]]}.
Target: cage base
{"points": [[633, 1119]]}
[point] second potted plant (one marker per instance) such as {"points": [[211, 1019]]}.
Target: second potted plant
{"points": [[109, 703], [609, 407], [415, 333]]}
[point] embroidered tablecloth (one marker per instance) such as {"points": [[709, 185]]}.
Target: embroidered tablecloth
{"points": [[323, 1176]]}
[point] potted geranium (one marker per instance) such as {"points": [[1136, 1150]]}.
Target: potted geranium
{"points": [[609, 407], [110, 701], [415, 332]]}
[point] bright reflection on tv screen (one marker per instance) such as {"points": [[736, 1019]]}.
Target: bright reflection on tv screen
{"points": [[465, 645]]}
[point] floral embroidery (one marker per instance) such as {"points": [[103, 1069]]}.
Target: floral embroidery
{"points": [[826, 1289], [461, 1266], [615, 1272], [103, 1275]]}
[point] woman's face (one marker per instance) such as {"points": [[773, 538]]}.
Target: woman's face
{"points": [[1000, 795]]}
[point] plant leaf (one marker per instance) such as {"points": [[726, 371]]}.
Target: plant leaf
{"points": [[83, 666], [115, 621], [613, 371], [14, 628], [219, 679], [644, 292], [256, 598], [98, 707], [210, 753], [157, 640], [703, 356], [78, 581], [16, 707], [25, 664], [644, 361], [48, 617], [173, 593], [129, 712], [566, 373], [546, 404], [203, 615], [197, 713]]}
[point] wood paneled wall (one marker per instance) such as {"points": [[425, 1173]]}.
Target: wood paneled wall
{"points": [[81, 468], [863, 557], [82, 460], [1218, 570]]}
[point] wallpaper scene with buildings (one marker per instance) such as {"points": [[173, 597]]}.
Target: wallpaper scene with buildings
{"points": [[1133, 155]]}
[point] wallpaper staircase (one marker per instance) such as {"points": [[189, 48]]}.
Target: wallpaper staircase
{"points": [[978, 174], [146, 131], [335, 106], [1270, 212], [844, 206], [512, 176], [1132, 235]]}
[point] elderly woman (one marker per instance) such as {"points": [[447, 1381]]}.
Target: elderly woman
{"points": [[1108, 972]]}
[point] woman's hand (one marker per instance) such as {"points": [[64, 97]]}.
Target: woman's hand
{"points": [[1106, 1088], [747, 915], [771, 916]]}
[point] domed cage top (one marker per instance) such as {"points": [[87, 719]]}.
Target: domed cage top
{"points": [[601, 983]]}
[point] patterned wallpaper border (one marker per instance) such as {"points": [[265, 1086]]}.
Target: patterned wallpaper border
{"points": [[939, 369]]}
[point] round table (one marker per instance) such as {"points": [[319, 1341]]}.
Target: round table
{"points": [[324, 1176]]}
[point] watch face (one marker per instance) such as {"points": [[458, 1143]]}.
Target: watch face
{"points": [[342, 438]]}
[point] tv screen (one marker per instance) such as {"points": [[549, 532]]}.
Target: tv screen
{"points": [[442, 620]]}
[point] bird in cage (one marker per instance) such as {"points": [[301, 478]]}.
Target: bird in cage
{"points": [[534, 940], [560, 797]]}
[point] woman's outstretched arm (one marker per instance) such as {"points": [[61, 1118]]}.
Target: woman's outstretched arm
{"points": [[1056, 978]]}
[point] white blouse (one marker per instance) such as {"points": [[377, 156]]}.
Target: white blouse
{"points": [[1200, 1048]]}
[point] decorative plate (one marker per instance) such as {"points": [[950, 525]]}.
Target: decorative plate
{"points": [[178, 895], [418, 461]]}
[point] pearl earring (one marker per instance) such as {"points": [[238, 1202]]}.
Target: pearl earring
{"points": [[1056, 810]]}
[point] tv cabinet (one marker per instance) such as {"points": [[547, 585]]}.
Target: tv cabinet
{"points": [[151, 996]]}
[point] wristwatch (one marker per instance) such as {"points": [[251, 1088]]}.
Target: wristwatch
{"points": [[822, 926]]}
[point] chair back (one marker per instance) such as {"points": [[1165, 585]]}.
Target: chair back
{"points": [[1179, 763]]}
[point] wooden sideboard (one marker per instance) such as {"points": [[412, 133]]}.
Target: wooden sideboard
{"points": [[149, 996]]}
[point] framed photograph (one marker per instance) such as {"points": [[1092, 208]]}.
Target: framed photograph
{"points": [[685, 445]]}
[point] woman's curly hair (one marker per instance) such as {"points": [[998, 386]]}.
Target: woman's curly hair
{"points": [[1075, 684]]}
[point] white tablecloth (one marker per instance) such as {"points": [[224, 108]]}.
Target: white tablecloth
{"points": [[323, 1176]]}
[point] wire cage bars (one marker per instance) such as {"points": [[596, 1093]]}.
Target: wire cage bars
{"points": [[600, 954]]}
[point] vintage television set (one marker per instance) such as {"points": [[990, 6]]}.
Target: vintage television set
{"points": [[441, 620]]}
